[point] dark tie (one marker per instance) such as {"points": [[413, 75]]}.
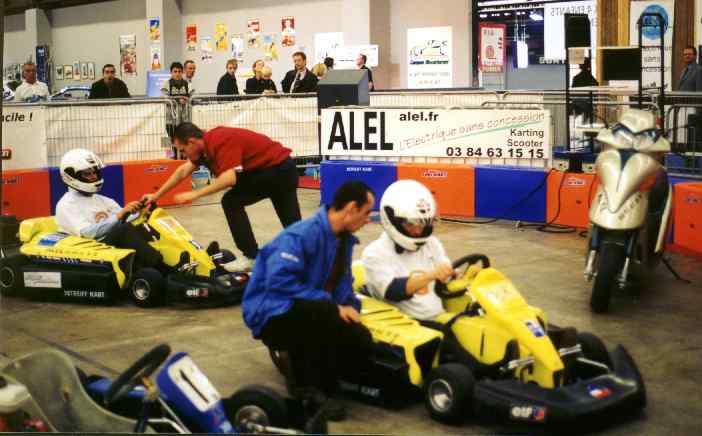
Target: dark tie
{"points": [[296, 84], [685, 72]]}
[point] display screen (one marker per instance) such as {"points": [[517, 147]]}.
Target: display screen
{"points": [[621, 63]]}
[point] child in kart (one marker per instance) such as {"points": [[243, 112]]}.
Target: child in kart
{"points": [[83, 212], [404, 263]]}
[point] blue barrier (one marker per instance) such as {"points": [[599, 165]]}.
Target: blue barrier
{"points": [[377, 175], [511, 193]]}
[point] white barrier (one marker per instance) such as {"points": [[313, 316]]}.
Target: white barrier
{"points": [[23, 137]]}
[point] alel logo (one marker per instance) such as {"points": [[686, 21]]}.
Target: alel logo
{"points": [[575, 181], [157, 169], [6, 154], [435, 174]]}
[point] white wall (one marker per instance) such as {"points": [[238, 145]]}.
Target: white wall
{"points": [[310, 17], [17, 47], [173, 33], [91, 33], [405, 14]]}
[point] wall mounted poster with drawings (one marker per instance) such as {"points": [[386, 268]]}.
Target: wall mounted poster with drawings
{"points": [[84, 70], [127, 55], [288, 31], [238, 47], [59, 72], [221, 37], [191, 37], [68, 72], [91, 70], [253, 36], [206, 49], [76, 71]]}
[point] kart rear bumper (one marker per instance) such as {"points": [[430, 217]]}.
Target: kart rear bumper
{"points": [[594, 400]]}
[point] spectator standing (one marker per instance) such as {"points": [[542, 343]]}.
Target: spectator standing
{"points": [[177, 88], [329, 63], [691, 77], [361, 64], [319, 70], [227, 83], [299, 79], [31, 90], [109, 86], [189, 69], [253, 83]]}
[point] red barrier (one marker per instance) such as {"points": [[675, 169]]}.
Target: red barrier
{"points": [[142, 177], [25, 193], [568, 198], [687, 218], [453, 186]]}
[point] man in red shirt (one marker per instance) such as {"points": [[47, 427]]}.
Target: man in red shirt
{"points": [[253, 165]]}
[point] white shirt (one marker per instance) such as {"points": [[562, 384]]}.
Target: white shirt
{"points": [[26, 91], [382, 265], [77, 213]]}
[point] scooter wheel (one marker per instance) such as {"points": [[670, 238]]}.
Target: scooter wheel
{"points": [[609, 263]]}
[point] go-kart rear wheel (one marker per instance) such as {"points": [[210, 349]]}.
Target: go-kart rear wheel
{"points": [[449, 393], [594, 349], [11, 280], [609, 263], [256, 404], [147, 288]]}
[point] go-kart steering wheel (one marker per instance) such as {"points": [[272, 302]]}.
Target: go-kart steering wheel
{"points": [[143, 367], [143, 210], [442, 289]]}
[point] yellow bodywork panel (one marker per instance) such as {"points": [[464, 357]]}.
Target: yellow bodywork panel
{"points": [[40, 238], [388, 325]]}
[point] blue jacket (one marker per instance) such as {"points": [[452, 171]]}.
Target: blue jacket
{"points": [[295, 266]]}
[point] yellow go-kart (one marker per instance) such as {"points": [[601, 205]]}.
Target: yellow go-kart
{"points": [[38, 260], [493, 354]]}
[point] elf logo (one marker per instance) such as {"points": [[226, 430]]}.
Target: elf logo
{"points": [[11, 180], [6, 154], [157, 169], [575, 181], [434, 174], [693, 199]]}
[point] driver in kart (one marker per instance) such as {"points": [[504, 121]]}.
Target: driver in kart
{"points": [[404, 263], [83, 212]]}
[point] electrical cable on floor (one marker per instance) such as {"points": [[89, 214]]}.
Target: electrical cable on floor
{"points": [[550, 227]]}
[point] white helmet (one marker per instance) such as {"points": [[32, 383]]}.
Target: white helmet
{"points": [[407, 201], [76, 161]]}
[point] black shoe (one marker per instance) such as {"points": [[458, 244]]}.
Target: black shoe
{"points": [[334, 410], [312, 397]]}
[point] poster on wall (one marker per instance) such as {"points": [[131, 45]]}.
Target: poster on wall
{"points": [[238, 47], [84, 70], [68, 72], [221, 37], [650, 57], [127, 55], [206, 49], [345, 56], [270, 49], [23, 139], [155, 29], [191, 37], [554, 29], [59, 72], [288, 31], [326, 43], [76, 70], [91, 70], [429, 57], [155, 57], [253, 36], [461, 133], [492, 52]]}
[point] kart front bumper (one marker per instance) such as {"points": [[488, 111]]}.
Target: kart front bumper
{"points": [[225, 288], [591, 401]]}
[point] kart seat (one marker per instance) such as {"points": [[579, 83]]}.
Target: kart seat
{"points": [[53, 382], [31, 227]]}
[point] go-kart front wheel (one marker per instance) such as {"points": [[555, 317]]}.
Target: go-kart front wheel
{"points": [[11, 280], [147, 288], [594, 349], [256, 405], [449, 393]]}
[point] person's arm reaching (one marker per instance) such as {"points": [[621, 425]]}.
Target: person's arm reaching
{"points": [[178, 175], [225, 180]]}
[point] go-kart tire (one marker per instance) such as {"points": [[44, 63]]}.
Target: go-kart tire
{"points": [[594, 349], [609, 263], [449, 393], [147, 288], [258, 403], [11, 280]]}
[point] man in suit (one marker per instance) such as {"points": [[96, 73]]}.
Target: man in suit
{"points": [[300, 79], [691, 78], [109, 86]]}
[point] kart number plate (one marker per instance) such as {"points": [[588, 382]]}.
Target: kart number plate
{"points": [[42, 279], [193, 383]]}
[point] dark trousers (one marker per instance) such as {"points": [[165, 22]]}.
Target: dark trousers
{"points": [[279, 183], [322, 346], [125, 235]]}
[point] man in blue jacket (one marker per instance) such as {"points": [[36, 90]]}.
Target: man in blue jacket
{"points": [[300, 300]]}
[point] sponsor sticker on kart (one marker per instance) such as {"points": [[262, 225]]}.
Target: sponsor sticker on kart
{"points": [[52, 239], [598, 391], [528, 413], [42, 279], [535, 328]]}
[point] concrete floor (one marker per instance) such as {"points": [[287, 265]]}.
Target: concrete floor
{"points": [[660, 328]]}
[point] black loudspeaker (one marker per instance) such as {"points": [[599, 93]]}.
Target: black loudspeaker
{"points": [[577, 28], [343, 88]]}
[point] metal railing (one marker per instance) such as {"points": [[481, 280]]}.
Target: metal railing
{"points": [[683, 127]]}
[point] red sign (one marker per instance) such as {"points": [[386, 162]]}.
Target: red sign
{"points": [[493, 50]]}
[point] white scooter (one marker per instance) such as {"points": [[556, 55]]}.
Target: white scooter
{"points": [[631, 212]]}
